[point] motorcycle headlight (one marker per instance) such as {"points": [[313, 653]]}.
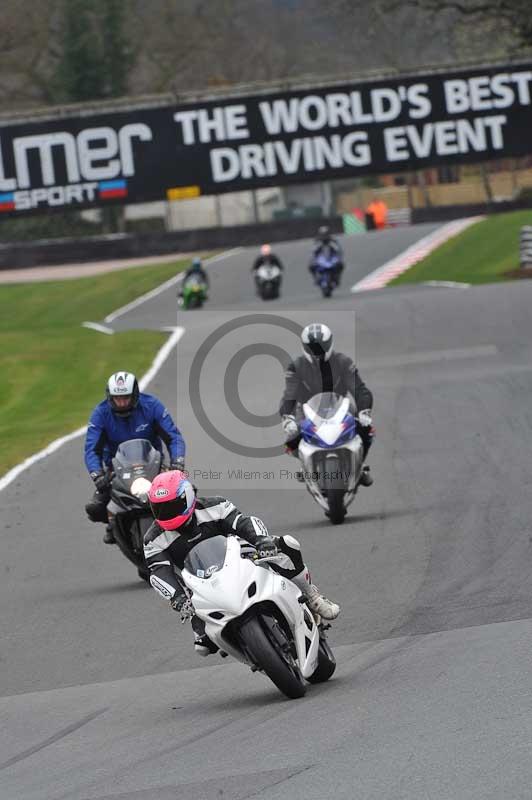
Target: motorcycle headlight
{"points": [[140, 487]]}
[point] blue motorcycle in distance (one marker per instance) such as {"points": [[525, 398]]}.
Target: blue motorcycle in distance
{"points": [[325, 268]]}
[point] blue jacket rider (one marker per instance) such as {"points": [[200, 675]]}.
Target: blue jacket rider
{"points": [[126, 413]]}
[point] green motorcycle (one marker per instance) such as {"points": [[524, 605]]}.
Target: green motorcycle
{"points": [[194, 294]]}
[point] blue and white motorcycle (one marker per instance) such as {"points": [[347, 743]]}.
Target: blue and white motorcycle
{"points": [[325, 270], [331, 453]]}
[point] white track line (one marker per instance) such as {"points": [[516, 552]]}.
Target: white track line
{"points": [[158, 361], [158, 289], [95, 326], [416, 252]]}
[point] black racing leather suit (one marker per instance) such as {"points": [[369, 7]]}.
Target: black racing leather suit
{"points": [[165, 551], [271, 260], [304, 379]]}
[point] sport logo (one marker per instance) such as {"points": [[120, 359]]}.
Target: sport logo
{"points": [[161, 492]]}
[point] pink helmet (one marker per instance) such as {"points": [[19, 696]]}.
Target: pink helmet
{"points": [[172, 499]]}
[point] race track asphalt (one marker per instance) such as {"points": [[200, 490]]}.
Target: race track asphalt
{"points": [[101, 694]]}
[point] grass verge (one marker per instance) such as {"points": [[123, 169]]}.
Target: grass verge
{"points": [[53, 370], [485, 253]]}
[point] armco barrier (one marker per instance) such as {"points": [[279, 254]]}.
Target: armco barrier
{"points": [[18, 255], [525, 246]]}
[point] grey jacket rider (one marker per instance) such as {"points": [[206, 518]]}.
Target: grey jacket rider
{"points": [[339, 374]]}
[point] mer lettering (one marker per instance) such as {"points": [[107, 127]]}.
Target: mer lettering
{"points": [[95, 154]]}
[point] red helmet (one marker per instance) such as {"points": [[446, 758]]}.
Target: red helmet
{"points": [[172, 499]]}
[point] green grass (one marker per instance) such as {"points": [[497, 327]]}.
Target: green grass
{"points": [[484, 253], [53, 370]]}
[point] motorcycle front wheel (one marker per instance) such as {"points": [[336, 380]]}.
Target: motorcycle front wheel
{"points": [[274, 660]]}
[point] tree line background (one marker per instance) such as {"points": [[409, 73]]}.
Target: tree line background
{"points": [[63, 51]]}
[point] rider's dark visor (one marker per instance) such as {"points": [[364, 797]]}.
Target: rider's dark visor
{"points": [[169, 510]]}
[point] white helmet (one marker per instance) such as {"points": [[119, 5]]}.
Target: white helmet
{"points": [[122, 385], [317, 341]]}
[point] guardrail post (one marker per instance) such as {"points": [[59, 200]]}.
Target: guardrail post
{"points": [[525, 247]]}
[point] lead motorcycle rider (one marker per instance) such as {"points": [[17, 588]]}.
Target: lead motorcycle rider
{"points": [[182, 520], [322, 369], [126, 413]]}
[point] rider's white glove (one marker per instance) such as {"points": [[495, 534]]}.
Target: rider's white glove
{"points": [[364, 418], [290, 427]]}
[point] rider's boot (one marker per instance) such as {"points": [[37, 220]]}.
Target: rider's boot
{"points": [[108, 536], [202, 644], [318, 604], [366, 478]]}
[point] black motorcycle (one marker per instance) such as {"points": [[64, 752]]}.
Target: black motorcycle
{"points": [[268, 281], [135, 465]]}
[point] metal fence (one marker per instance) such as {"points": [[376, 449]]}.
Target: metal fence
{"points": [[525, 246]]}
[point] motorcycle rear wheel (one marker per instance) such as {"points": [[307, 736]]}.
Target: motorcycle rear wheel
{"points": [[268, 656]]}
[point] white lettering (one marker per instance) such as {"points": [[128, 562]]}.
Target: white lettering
{"points": [[125, 137], [446, 138], [421, 105], [471, 135], [328, 152], [236, 122], [421, 141], [251, 161], [360, 117], [504, 94], [44, 144], [385, 104], [480, 93], [495, 125], [225, 164], [289, 159], [522, 79], [90, 152], [355, 149], [6, 184], [186, 119], [338, 109], [313, 113], [279, 116], [214, 125], [456, 97], [395, 144]]}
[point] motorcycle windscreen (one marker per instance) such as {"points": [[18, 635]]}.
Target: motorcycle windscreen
{"points": [[138, 455], [325, 405], [206, 557]]}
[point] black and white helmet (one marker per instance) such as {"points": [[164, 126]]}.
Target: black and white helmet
{"points": [[317, 341], [122, 385]]}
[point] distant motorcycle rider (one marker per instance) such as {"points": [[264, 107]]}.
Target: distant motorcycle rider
{"points": [[195, 270], [325, 244], [322, 369], [182, 520], [126, 413], [266, 258]]}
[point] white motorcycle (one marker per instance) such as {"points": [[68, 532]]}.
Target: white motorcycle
{"points": [[331, 453], [268, 280], [255, 615]]}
